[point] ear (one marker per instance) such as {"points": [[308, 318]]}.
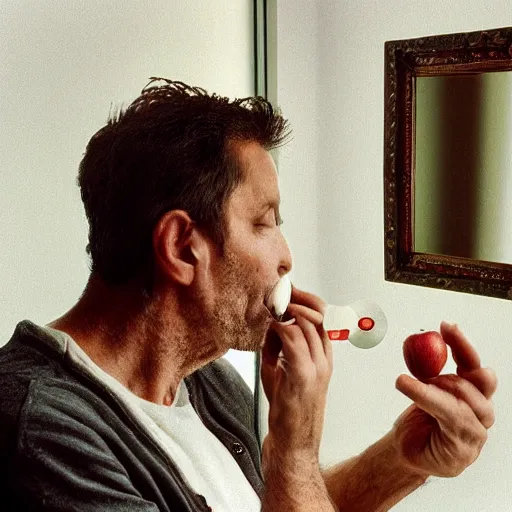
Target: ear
{"points": [[179, 247]]}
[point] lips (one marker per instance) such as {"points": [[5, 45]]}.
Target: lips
{"points": [[269, 309]]}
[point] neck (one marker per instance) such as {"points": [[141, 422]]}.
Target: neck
{"points": [[144, 343]]}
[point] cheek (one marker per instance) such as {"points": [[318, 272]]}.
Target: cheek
{"points": [[254, 275], [255, 270], [258, 256], [271, 252]]}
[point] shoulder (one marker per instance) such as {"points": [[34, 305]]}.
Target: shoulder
{"points": [[47, 423], [70, 449], [47, 410], [22, 361], [42, 393], [33, 374]]}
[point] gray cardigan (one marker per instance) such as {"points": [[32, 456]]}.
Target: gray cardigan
{"points": [[66, 443]]}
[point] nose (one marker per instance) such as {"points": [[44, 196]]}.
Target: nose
{"points": [[285, 261]]}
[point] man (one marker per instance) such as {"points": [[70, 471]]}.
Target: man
{"points": [[123, 403]]}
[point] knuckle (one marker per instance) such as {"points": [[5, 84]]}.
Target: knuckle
{"points": [[457, 468], [464, 456], [473, 436]]}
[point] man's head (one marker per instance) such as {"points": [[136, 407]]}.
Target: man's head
{"points": [[181, 195], [173, 148]]}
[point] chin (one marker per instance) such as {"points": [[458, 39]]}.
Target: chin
{"points": [[247, 334], [252, 341]]}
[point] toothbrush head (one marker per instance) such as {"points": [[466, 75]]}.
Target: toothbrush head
{"points": [[279, 297]]}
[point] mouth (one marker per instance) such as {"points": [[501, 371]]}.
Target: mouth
{"points": [[275, 316], [270, 309]]}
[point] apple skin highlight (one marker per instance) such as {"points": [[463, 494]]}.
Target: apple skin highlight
{"points": [[425, 354]]}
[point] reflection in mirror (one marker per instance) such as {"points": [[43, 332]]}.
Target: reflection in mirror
{"points": [[463, 166]]}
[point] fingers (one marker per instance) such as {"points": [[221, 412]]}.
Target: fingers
{"points": [[327, 345], [318, 348], [311, 308], [295, 347], [308, 299], [484, 379], [312, 315], [454, 402], [421, 395], [464, 354], [308, 311], [468, 360], [463, 389], [303, 340]]}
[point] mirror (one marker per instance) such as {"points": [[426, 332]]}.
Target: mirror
{"points": [[448, 162]]}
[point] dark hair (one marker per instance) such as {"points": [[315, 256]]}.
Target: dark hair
{"points": [[172, 148]]}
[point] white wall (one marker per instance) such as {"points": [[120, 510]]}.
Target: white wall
{"points": [[331, 85], [62, 65]]}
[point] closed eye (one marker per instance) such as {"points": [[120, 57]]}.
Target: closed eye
{"points": [[270, 222]]}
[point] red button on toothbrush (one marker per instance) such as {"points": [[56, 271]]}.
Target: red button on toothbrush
{"points": [[338, 334], [366, 323]]}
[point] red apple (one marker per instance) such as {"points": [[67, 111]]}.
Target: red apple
{"points": [[425, 354]]}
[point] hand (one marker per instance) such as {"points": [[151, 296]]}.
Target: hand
{"points": [[443, 432], [295, 370]]}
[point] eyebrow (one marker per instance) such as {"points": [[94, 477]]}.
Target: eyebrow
{"points": [[271, 204]]}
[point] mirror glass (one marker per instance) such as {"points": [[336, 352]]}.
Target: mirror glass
{"points": [[463, 166]]}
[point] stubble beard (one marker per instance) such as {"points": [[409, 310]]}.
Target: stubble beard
{"points": [[238, 326]]}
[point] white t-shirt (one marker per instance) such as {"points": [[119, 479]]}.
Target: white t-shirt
{"points": [[204, 462]]}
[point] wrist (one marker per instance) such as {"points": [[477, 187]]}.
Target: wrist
{"points": [[374, 480], [292, 463], [293, 480], [390, 460]]}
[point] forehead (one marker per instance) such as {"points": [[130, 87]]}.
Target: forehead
{"points": [[259, 186]]}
